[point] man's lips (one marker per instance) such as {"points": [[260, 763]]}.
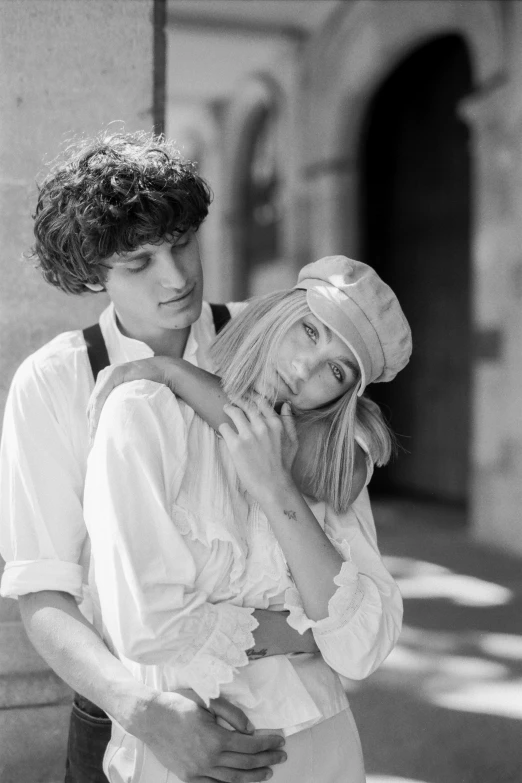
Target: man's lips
{"points": [[179, 297]]}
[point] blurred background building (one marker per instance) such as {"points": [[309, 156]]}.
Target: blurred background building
{"points": [[387, 130]]}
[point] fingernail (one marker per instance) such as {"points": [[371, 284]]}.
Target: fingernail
{"points": [[281, 742], [250, 726], [268, 774]]}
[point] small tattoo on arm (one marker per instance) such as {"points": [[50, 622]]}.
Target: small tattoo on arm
{"points": [[254, 653], [290, 514]]}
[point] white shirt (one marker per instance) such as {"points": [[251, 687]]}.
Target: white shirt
{"points": [[181, 557], [43, 456]]}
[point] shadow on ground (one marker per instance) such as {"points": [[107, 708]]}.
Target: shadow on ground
{"points": [[446, 707]]}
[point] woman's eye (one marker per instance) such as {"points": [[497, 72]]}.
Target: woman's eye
{"points": [[337, 373], [311, 332]]}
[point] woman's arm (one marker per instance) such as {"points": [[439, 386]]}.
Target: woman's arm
{"points": [[344, 592], [203, 392], [263, 449]]}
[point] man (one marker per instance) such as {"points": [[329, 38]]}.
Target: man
{"points": [[118, 214]]}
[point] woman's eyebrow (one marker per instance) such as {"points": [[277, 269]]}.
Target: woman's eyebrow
{"points": [[344, 359], [353, 367], [328, 333]]}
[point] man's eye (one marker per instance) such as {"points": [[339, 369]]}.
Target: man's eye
{"points": [[135, 269], [311, 332], [183, 239], [337, 373]]}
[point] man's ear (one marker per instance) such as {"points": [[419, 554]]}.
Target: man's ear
{"points": [[96, 287]]}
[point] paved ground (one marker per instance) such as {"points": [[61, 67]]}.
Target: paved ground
{"points": [[447, 705]]}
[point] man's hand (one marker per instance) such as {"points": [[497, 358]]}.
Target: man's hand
{"points": [[185, 738]]}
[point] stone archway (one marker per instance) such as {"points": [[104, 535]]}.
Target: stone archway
{"points": [[415, 208], [351, 57], [350, 60]]}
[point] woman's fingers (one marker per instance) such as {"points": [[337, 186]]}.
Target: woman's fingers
{"points": [[252, 413], [263, 407], [238, 418], [288, 420]]}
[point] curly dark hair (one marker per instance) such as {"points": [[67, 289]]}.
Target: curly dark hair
{"points": [[111, 194]]}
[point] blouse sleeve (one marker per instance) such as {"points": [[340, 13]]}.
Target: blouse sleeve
{"points": [[365, 613], [144, 571]]}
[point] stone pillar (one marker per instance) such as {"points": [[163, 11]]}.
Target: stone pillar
{"points": [[66, 67], [333, 196], [496, 444]]}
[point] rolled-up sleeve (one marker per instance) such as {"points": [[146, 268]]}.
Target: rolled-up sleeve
{"points": [[144, 568], [365, 613], [42, 531]]}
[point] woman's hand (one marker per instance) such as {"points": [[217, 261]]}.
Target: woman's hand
{"points": [[156, 368], [264, 446]]}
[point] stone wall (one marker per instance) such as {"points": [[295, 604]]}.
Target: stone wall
{"points": [[66, 67]]}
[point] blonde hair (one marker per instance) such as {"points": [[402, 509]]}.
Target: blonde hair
{"points": [[244, 353]]}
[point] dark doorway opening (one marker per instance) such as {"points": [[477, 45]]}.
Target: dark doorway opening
{"points": [[415, 230]]}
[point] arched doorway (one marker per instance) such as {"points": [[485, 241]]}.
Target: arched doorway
{"points": [[415, 230]]}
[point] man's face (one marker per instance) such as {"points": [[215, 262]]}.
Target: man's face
{"points": [[157, 288]]}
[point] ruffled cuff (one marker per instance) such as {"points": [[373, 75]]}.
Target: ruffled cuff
{"points": [[216, 662], [341, 607]]}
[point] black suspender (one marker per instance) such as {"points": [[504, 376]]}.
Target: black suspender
{"points": [[221, 316], [97, 350]]}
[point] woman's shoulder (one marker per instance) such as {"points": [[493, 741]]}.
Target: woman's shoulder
{"points": [[141, 400], [141, 390]]}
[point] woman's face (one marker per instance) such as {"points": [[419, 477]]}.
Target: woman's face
{"points": [[313, 366]]}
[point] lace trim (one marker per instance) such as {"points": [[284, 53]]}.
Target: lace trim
{"points": [[205, 528], [266, 574], [342, 606], [219, 649]]}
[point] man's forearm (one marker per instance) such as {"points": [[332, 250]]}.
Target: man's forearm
{"points": [[73, 649], [183, 736]]}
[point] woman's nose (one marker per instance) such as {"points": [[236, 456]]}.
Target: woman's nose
{"points": [[301, 367]]}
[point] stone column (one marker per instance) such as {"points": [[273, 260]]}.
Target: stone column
{"points": [[496, 443], [66, 68]]}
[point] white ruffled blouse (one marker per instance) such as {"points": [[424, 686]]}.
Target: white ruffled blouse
{"points": [[181, 557]]}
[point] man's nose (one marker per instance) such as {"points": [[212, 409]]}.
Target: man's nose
{"points": [[172, 274]]}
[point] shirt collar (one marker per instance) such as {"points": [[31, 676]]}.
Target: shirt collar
{"points": [[126, 349]]}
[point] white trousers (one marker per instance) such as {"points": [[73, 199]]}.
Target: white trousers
{"points": [[329, 752]]}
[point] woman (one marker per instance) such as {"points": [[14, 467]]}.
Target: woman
{"points": [[192, 533]]}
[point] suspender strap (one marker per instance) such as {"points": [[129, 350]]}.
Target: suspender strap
{"points": [[221, 316], [96, 349]]}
